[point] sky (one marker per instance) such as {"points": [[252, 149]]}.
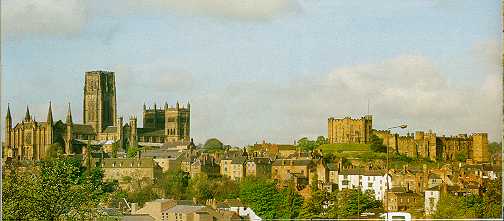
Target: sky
{"points": [[255, 70]]}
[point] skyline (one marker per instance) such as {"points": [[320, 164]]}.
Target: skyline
{"points": [[241, 66]]}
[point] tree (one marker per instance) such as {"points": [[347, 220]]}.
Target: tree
{"points": [[53, 189], [377, 144], [262, 196], [307, 144], [174, 183], [353, 201], [321, 140], [291, 203], [199, 188], [133, 151], [213, 145]]}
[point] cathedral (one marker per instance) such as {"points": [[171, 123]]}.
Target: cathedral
{"points": [[32, 140]]}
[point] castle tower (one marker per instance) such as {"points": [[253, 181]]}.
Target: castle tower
{"points": [[480, 147], [133, 139], [100, 107], [68, 134]]}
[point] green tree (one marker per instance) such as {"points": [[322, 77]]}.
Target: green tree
{"points": [[262, 196], [321, 140], [377, 144], [353, 201], [307, 144], [53, 189], [133, 151], [213, 145], [291, 203], [174, 183], [199, 188]]}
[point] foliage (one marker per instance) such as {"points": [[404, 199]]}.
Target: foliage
{"points": [[143, 195], [472, 206], [54, 151], [54, 189], [115, 148], [133, 151], [494, 147], [307, 144], [321, 140], [267, 202], [213, 145], [356, 201], [174, 183], [314, 206], [461, 156], [377, 144]]}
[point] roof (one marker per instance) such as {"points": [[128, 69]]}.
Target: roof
{"points": [[184, 209], [142, 217], [146, 162], [434, 176], [233, 202], [398, 189], [362, 172], [83, 129], [110, 130], [260, 160], [436, 188], [156, 133], [332, 166], [160, 153], [295, 162]]}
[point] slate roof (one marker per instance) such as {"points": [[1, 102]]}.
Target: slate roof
{"points": [[155, 133], [110, 130], [83, 129], [332, 167], [184, 209]]}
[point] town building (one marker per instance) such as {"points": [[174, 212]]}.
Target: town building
{"points": [[349, 131]]}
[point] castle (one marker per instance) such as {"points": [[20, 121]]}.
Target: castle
{"points": [[420, 145], [31, 139]]}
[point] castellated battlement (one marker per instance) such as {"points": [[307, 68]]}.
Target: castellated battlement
{"points": [[421, 144]]}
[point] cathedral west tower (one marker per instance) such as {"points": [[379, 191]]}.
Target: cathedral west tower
{"points": [[100, 107]]}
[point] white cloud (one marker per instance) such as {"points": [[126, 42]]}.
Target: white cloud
{"points": [[235, 9], [27, 17], [406, 89]]}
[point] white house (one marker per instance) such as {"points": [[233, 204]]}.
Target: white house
{"points": [[365, 180], [431, 199]]}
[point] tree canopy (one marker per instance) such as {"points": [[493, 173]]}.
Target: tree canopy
{"points": [[377, 144], [54, 189], [213, 145]]}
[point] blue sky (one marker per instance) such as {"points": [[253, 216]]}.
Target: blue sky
{"points": [[264, 69]]}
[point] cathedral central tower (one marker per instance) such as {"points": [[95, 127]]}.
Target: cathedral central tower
{"points": [[100, 107]]}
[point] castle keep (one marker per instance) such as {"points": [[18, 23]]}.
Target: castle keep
{"points": [[31, 139], [348, 130]]}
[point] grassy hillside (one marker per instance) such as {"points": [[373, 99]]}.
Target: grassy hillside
{"points": [[331, 148]]}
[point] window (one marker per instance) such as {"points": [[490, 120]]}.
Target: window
{"points": [[370, 185]]}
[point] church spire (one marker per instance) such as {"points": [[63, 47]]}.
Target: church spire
{"points": [[27, 115], [49, 114], [69, 115]]}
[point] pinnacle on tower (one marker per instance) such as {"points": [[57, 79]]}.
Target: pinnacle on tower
{"points": [[49, 114], [188, 105], [69, 114], [27, 116], [8, 116], [144, 107], [178, 106]]}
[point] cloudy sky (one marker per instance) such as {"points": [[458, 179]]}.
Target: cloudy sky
{"points": [[256, 70]]}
